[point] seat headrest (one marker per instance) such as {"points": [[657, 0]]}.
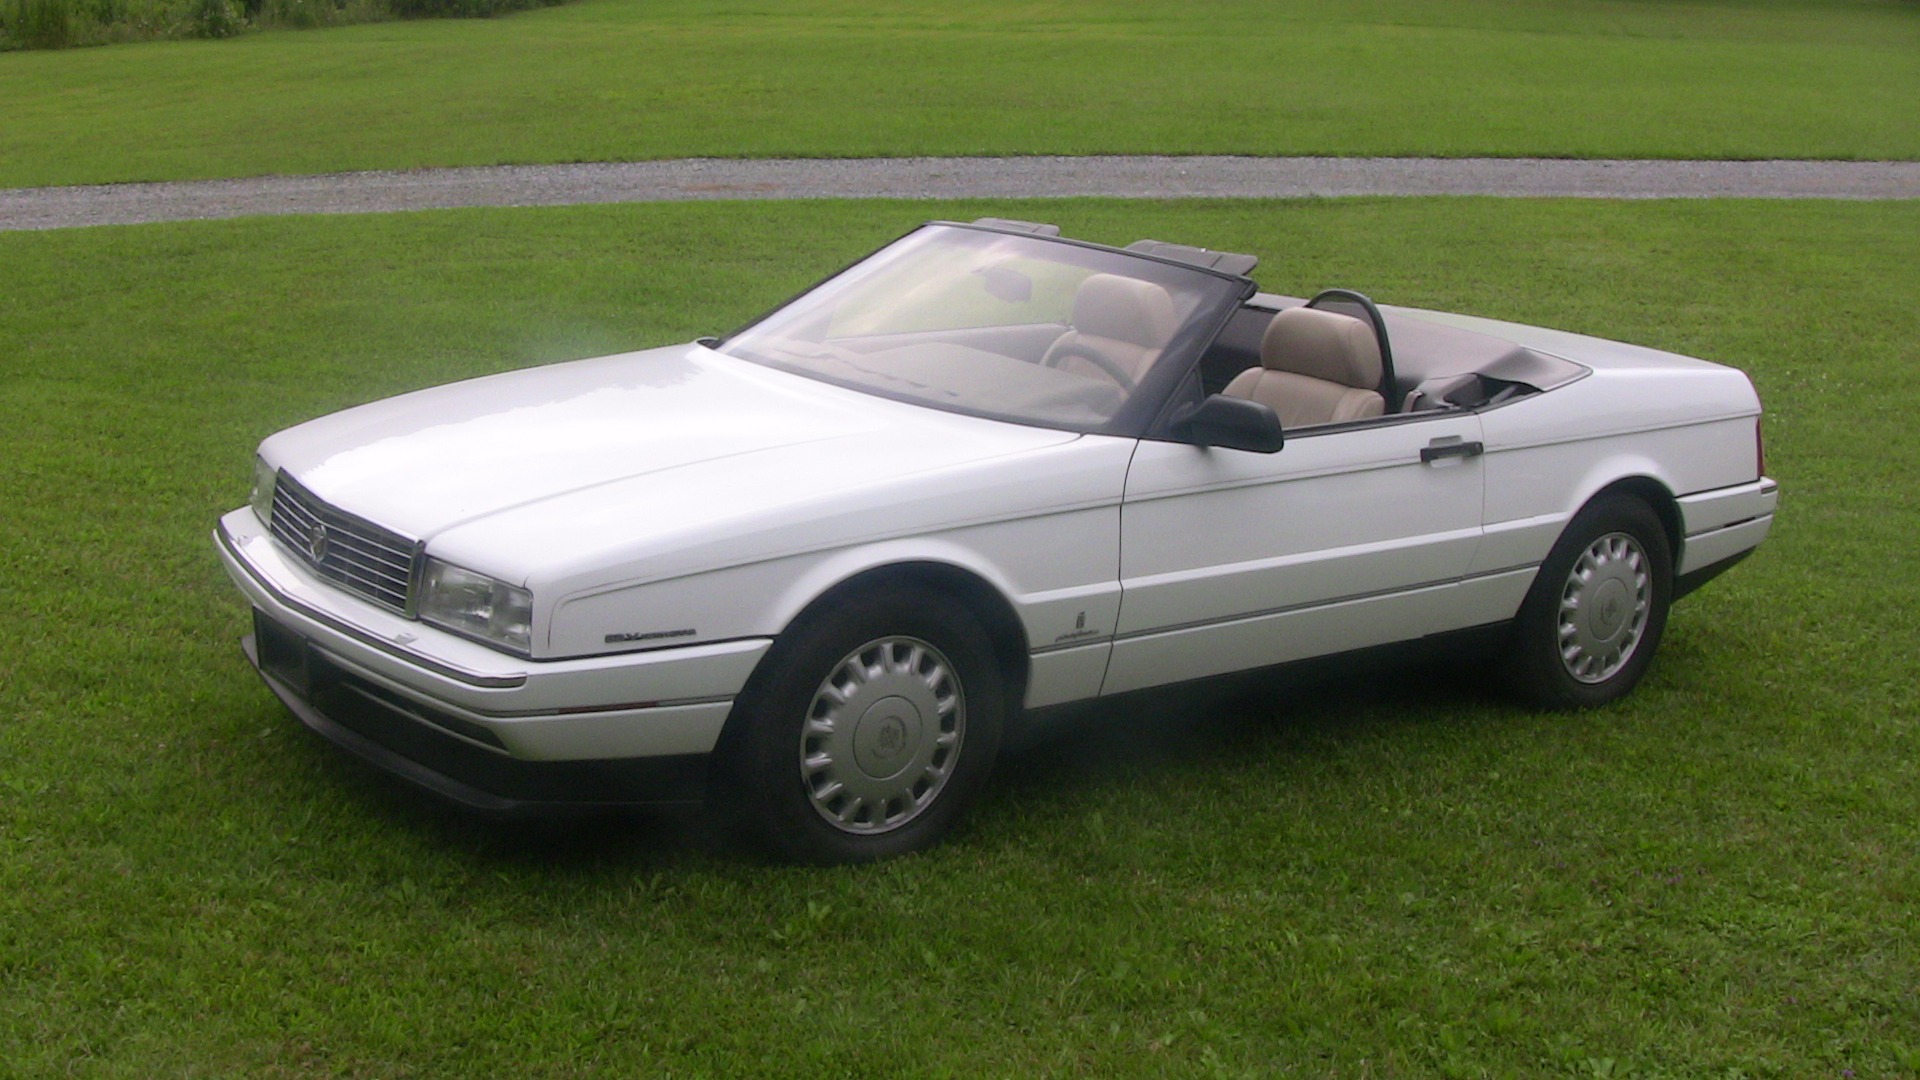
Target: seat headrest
{"points": [[1125, 309], [1322, 345]]}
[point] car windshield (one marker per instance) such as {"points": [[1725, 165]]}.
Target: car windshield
{"points": [[1015, 327]]}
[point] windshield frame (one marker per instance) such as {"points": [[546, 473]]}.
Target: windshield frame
{"points": [[1143, 404]]}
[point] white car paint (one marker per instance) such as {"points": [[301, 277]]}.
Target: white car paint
{"points": [[672, 511], [642, 504]]}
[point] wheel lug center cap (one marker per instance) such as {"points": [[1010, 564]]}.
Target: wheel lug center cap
{"points": [[1611, 606], [885, 736]]}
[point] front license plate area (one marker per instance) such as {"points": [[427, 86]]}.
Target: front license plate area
{"points": [[283, 654]]}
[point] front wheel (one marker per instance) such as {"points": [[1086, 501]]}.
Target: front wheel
{"points": [[874, 723], [1593, 619]]}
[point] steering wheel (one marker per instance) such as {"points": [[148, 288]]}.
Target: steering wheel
{"points": [[1108, 365]]}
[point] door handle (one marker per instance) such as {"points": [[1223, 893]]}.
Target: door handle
{"points": [[1451, 446]]}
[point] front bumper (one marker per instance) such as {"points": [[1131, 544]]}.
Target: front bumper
{"points": [[494, 732]]}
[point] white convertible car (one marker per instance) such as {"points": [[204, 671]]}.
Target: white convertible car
{"points": [[811, 571]]}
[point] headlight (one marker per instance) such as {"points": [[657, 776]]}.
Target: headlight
{"points": [[264, 476], [477, 606]]}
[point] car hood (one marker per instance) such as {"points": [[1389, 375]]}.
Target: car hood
{"points": [[680, 428]]}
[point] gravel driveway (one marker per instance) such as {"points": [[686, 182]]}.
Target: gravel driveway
{"points": [[950, 178]]}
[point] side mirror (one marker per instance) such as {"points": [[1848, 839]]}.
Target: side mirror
{"points": [[1235, 423]]}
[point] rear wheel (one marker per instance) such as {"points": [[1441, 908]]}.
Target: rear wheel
{"points": [[873, 724], [1593, 619]]}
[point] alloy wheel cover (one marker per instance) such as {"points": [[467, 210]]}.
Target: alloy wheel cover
{"points": [[882, 735], [1604, 606]]}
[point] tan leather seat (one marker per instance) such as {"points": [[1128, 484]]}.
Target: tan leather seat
{"points": [[1316, 367], [1121, 321]]}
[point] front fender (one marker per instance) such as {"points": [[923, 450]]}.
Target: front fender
{"points": [[1059, 573]]}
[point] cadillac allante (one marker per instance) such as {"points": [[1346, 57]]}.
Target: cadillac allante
{"points": [[811, 571]]}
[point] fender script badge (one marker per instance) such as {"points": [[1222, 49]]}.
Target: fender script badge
{"points": [[651, 635], [1079, 631]]}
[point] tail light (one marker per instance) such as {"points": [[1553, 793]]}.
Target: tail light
{"points": [[1759, 450]]}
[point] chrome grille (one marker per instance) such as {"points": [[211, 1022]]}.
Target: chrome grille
{"points": [[352, 552]]}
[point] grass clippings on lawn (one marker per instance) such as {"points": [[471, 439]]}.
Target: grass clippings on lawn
{"points": [[1714, 878], [615, 80]]}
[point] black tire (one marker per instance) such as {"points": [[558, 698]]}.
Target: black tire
{"points": [[915, 687], [1582, 638]]}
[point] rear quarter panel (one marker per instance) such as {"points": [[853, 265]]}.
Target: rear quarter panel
{"points": [[1688, 426]]}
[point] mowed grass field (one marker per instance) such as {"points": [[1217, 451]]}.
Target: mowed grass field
{"points": [[1717, 877], [607, 80]]}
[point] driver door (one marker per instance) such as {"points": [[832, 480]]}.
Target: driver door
{"points": [[1343, 539]]}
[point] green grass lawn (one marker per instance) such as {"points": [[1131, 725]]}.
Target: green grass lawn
{"points": [[605, 80], [1716, 878]]}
